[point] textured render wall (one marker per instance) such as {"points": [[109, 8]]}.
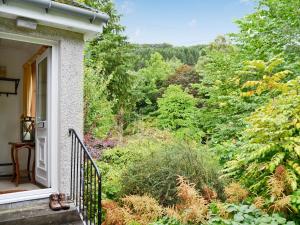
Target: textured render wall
{"points": [[70, 89]]}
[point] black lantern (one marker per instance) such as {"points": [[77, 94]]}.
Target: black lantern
{"points": [[27, 129]]}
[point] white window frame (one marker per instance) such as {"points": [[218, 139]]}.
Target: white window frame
{"points": [[53, 122]]}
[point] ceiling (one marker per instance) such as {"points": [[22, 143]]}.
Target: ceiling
{"points": [[5, 43]]}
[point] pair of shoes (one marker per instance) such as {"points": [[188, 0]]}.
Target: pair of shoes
{"points": [[58, 202]]}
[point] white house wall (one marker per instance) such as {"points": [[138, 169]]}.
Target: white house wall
{"points": [[70, 88]]}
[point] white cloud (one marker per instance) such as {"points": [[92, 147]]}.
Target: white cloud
{"points": [[127, 7], [193, 23]]}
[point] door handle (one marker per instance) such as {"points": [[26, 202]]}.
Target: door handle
{"points": [[41, 124]]}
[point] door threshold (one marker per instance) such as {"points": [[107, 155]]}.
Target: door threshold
{"points": [[26, 195]]}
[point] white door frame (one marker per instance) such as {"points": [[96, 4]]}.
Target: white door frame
{"points": [[52, 122]]}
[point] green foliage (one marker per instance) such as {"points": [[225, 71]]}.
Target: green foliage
{"points": [[245, 214], [266, 77], [272, 29], [295, 200], [166, 221], [99, 119], [112, 50], [271, 139], [147, 80], [178, 112], [243, 105], [115, 161], [223, 109], [174, 63], [187, 55], [156, 173], [185, 76]]}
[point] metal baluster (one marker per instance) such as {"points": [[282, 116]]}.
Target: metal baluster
{"points": [[84, 175], [81, 178], [92, 196], [87, 193], [74, 168], [90, 192], [72, 149], [99, 199], [76, 163]]}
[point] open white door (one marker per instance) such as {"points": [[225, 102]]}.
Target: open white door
{"points": [[43, 74]]}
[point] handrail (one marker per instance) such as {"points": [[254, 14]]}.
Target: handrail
{"points": [[85, 182]]}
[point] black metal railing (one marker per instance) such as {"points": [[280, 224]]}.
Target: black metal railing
{"points": [[85, 182]]}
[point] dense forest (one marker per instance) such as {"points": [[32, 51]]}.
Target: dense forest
{"points": [[208, 134]]}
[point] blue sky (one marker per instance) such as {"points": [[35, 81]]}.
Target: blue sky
{"points": [[180, 22]]}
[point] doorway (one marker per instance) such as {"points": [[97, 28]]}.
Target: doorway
{"points": [[29, 66]]}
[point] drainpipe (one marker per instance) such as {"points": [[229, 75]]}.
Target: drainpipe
{"points": [[91, 15]]}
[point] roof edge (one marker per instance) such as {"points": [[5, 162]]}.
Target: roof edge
{"points": [[89, 23], [91, 14]]}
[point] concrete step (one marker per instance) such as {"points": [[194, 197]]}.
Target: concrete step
{"points": [[75, 223], [39, 214]]}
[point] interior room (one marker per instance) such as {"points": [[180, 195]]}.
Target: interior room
{"points": [[17, 115]]}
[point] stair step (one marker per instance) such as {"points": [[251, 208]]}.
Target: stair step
{"points": [[39, 215], [74, 223]]}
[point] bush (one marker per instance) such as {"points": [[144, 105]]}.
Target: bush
{"points": [[135, 210], [156, 173], [115, 161]]}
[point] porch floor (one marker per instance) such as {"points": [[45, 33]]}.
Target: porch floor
{"points": [[6, 186]]}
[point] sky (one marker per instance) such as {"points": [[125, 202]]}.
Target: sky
{"points": [[180, 22]]}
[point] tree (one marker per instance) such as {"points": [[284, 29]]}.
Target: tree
{"points": [[148, 80], [99, 119], [112, 50], [187, 55], [222, 108], [272, 29], [178, 113], [271, 139], [185, 76]]}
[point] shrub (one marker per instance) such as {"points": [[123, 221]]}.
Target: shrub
{"points": [[114, 161], [192, 207], [235, 193], [134, 210], [156, 173]]}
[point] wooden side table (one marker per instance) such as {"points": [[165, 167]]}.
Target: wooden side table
{"points": [[15, 148]]}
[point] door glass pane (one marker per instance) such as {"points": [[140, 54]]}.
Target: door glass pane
{"points": [[42, 91]]}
